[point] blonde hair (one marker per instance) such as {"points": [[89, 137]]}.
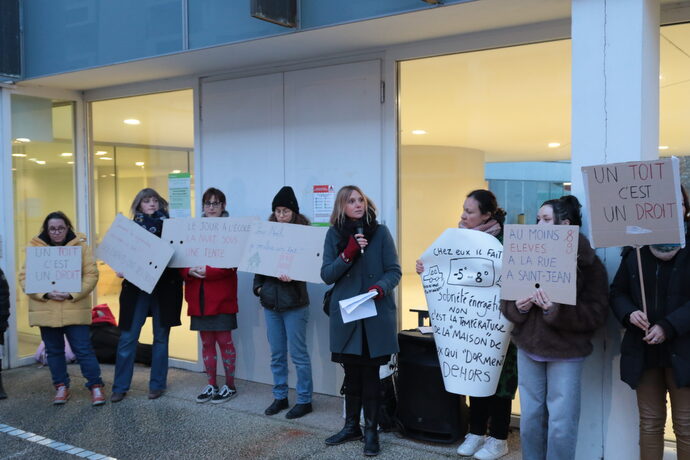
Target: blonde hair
{"points": [[338, 215], [148, 193]]}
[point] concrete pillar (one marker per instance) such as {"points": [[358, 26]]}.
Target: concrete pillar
{"points": [[615, 117]]}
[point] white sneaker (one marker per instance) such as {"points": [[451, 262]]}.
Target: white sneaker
{"points": [[470, 445], [493, 448], [207, 394], [225, 394]]}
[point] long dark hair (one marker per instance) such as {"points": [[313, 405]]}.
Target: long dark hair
{"points": [[488, 204], [565, 207]]}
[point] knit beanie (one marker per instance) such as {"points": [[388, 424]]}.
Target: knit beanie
{"points": [[286, 198]]}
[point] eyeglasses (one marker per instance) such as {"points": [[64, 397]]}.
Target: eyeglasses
{"points": [[56, 229], [213, 204], [283, 212]]}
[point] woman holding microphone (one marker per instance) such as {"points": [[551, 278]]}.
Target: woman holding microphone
{"points": [[359, 256]]}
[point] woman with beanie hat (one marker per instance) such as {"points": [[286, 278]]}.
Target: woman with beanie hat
{"points": [[211, 295], [286, 308]]}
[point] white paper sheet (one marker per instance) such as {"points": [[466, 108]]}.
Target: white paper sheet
{"points": [[358, 307]]}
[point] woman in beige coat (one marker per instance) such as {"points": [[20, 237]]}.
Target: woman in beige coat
{"points": [[60, 314]]}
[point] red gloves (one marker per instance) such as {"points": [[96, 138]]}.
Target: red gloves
{"points": [[351, 250], [377, 289]]}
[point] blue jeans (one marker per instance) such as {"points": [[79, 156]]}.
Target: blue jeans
{"points": [[549, 406], [288, 330], [79, 338], [126, 348]]}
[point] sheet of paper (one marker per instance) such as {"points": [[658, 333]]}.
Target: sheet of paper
{"points": [[426, 329], [358, 307], [354, 302]]}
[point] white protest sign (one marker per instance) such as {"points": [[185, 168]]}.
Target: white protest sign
{"points": [[461, 281], [214, 241], [635, 203], [540, 256], [135, 252], [53, 268], [275, 249]]}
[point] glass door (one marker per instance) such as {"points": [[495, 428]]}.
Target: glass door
{"points": [[137, 142], [43, 177]]}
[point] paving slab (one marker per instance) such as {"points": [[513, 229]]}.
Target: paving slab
{"points": [[176, 427]]}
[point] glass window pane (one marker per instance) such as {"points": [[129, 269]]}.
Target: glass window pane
{"points": [[43, 180], [129, 156]]}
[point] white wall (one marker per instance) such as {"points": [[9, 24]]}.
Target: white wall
{"points": [[300, 128]]}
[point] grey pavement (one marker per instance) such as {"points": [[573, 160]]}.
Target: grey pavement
{"points": [[175, 426]]}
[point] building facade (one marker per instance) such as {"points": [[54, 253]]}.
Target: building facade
{"points": [[416, 103]]}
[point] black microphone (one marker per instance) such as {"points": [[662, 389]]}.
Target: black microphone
{"points": [[360, 230]]}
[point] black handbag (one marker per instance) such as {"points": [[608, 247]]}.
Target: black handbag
{"points": [[327, 302]]}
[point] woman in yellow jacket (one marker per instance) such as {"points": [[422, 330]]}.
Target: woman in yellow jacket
{"points": [[60, 314]]}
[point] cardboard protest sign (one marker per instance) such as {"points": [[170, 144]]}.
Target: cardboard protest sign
{"points": [[136, 253], [635, 203], [276, 249], [214, 241], [53, 268], [540, 256], [461, 281]]}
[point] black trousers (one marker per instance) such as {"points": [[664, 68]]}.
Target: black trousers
{"points": [[492, 411]]}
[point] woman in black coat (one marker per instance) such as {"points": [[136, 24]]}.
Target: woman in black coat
{"points": [[164, 305], [359, 256], [4, 316], [655, 353]]}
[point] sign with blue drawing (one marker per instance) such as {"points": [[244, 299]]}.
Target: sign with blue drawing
{"points": [[275, 249], [461, 279]]}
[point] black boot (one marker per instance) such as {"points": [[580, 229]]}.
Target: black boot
{"points": [[3, 395], [371, 427], [351, 431]]}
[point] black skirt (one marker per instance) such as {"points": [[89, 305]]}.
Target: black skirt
{"points": [[360, 360]]}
